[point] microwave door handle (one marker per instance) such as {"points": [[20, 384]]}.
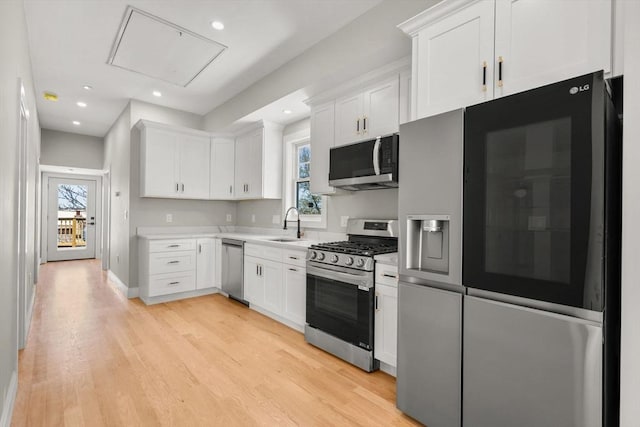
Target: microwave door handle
{"points": [[376, 156]]}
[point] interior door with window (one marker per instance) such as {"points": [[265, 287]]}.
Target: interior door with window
{"points": [[71, 228]]}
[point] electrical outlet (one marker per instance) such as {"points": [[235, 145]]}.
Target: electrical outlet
{"points": [[228, 217], [343, 221], [169, 218], [276, 219], [253, 217]]}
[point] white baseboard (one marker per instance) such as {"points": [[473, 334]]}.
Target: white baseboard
{"points": [[122, 288], [180, 295], [9, 401], [133, 292], [389, 369], [29, 314]]}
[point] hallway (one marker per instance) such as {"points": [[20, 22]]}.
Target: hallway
{"points": [[96, 358]]}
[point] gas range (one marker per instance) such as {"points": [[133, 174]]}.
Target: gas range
{"points": [[367, 238], [355, 253]]}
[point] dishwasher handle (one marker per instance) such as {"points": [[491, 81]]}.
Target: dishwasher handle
{"points": [[232, 242]]}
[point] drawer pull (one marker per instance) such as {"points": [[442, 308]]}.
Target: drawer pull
{"points": [[293, 257], [173, 246], [173, 283], [173, 262], [393, 276], [293, 269]]}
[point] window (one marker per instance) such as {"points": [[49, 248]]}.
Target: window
{"points": [[297, 187], [306, 203]]}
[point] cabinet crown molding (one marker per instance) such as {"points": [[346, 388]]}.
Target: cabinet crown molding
{"points": [[394, 68], [412, 25], [142, 123], [259, 125]]}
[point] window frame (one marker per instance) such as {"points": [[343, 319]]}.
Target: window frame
{"points": [[291, 180]]}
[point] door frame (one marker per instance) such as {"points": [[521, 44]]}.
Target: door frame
{"points": [[24, 305], [106, 217], [97, 176]]}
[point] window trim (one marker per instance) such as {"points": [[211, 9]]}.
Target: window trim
{"points": [[292, 143]]}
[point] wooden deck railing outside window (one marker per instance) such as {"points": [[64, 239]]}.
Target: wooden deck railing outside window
{"points": [[71, 232]]}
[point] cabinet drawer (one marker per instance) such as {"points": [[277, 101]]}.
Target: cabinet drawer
{"points": [[172, 245], [171, 262], [294, 257], [264, 252], [386, 274], [164, 284]]}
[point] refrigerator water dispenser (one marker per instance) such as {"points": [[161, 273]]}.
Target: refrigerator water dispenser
{"points": [[428, 243]]}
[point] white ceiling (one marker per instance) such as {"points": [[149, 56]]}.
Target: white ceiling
{"points": [[70, 41]]}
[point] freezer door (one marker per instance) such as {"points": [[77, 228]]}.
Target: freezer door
{"points": [[529, 368], [429, 354]]}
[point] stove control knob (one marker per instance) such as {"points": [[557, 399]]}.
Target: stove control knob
{"points": [[360, 262], [313, 254], [320, 256], [349, 261], [334, 258]]}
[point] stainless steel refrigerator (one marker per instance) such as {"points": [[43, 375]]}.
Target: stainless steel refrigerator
{"points": [[509, 261]]}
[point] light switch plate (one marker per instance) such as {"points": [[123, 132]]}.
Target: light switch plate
{"points": [[169, 218], [228, 217], [276, 219], [343, 221]]}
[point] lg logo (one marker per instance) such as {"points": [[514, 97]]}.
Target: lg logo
{"points": [[577, 89]]}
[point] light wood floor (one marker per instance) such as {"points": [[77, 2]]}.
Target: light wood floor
{"points": [[94, 358]]}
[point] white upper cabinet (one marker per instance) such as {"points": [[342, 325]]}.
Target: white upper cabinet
{"points": [[174, 162], [470, 51], [368, 114], [221, 183], [258, 163], [543, 41], [322, 139]]}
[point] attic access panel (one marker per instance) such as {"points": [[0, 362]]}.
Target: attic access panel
{"points": [[157, 48]]}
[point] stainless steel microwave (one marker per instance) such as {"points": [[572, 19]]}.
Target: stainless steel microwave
{"points": [[365, 165]]}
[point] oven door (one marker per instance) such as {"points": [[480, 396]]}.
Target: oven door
{"points": [[340, 302]]}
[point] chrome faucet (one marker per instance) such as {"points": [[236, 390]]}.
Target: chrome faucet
{"points": [[285, 220]]}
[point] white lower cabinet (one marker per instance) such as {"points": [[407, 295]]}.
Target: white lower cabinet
{"points": [[176, 266], [295, 294], [275, 283], [386, 315]]}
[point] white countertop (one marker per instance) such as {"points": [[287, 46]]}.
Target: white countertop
{"points": [[291, 243], [389, 259]]}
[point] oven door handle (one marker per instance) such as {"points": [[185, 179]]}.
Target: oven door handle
{"points": [[361, 281]]}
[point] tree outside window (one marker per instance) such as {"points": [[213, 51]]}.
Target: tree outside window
{"points": [[306, 202]]}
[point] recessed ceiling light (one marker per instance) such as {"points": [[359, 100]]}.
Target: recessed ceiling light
{"points": [[217, 25], [50, 96], [157, 93], [75, 122], [81, 104], [287, 111], [87, 87]]}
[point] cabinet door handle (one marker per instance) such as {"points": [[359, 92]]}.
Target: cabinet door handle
{"points": [[231, 189], [200, 249], [364, 125], [173, 283], [500, 61], [358, 126], [173, 262], [293, 269], [183, 187], [376, 302], [484, 76], [177, 187]]}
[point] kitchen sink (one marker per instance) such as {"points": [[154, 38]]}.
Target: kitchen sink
{"points": [[284, 240]]}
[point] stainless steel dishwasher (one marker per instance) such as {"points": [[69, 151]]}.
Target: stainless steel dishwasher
{"points": [[233, 269]]}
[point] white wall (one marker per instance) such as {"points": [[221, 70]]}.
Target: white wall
{"points": [[630, 363], [14, 64], [369, 42], [71, 149]]}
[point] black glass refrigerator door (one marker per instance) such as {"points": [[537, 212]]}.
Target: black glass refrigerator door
{"points": [[533, 222]]}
